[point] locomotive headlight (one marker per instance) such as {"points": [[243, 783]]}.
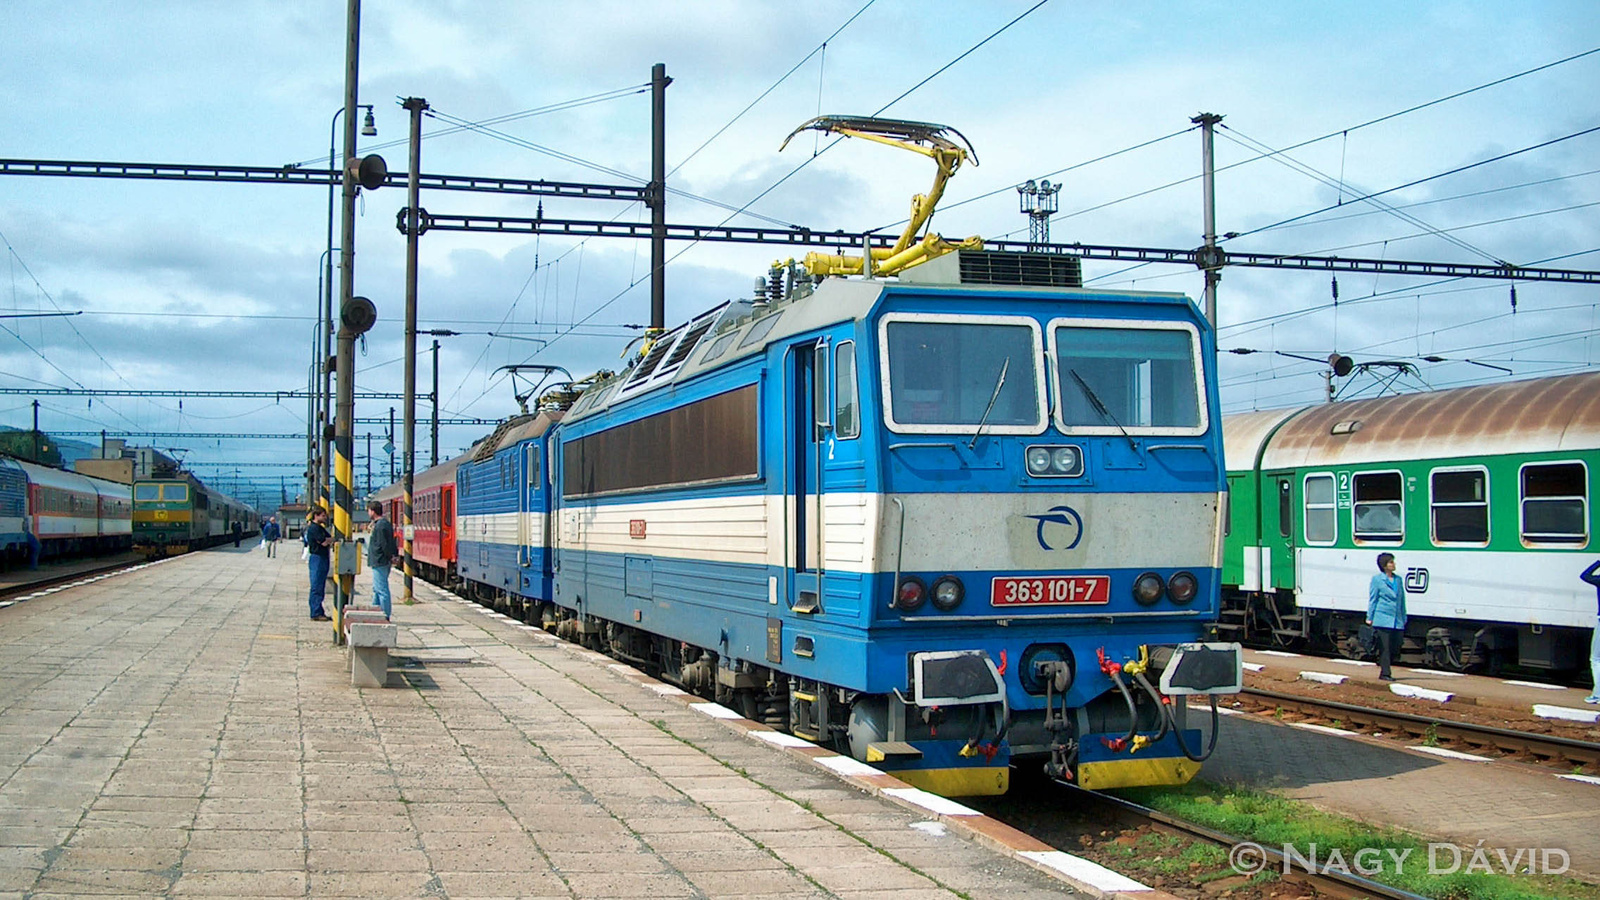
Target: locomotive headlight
{"points": [[910, 594], [948, 592], [1182, 587], [1038, 460], [1055, 462], [1148, 588], [1064, 460]]}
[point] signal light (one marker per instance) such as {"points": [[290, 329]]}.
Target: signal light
{"points": [[1148, 588], [911, 594], [1182, 587], [948, 592]]}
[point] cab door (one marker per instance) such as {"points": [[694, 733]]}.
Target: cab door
{"points": [[809, 424]]}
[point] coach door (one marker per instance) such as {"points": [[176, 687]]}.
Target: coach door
{"points": [[1278, 531], [809, 423]]}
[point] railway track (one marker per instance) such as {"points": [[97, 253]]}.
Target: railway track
{"points": [[1546, 749], [10, 591], [1334, 885]]}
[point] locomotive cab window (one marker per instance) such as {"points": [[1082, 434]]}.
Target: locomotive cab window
{"points": [[176, 493], [147, 492], [1322, 523], [951, 374], [1555, 503], [846, 393], [1460, 506], [1378, 513], [1134, 376]]}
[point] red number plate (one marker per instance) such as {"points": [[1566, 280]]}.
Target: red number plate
{"points": [[1052, 590]]}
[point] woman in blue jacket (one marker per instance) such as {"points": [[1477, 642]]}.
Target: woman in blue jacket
{"points": [[1590, 575], [1386, 612]]}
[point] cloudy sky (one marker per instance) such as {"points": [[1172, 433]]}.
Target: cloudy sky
{"points": [[214, 286]]}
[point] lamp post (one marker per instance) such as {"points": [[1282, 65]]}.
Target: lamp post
{"points": [[369, 128]]}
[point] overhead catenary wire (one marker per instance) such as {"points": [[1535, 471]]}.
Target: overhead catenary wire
{"points": [[1244, 140], [634, 283], [820, 48], [1413, 183], [614, 94], [1337, 133]]}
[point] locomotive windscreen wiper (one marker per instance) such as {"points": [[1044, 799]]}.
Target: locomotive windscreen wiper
{"points": [[1100, 408], [999, 383]]}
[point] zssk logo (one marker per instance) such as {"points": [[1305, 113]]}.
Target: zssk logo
{"points": [[1063, 524], [1417, 581]]}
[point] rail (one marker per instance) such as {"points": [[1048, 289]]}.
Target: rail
{"points": [[1330, 884], [1548, 748]]}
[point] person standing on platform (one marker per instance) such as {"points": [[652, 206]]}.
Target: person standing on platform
{"points": [[381, 554], [238, 532], [1592, 576], [1386, 613], [33, 542], [270, 534], [318, 540]]}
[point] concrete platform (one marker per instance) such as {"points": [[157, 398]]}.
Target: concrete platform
{"points": [[1428, 686], [184, 730]]}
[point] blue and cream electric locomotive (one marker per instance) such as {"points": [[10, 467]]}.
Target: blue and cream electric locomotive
{"points": [[944, 521]]}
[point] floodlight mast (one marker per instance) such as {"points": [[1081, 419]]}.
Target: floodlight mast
{"points": [[938, 143]]}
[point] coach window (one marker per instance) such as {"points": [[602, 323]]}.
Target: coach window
{"points": [[846, 394], [1460, 506], [1285, 508], [1378, 513], [1555, 503], [1322, 524]]}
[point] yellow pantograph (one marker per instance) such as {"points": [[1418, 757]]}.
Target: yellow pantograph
{"points": [[938, 143]]}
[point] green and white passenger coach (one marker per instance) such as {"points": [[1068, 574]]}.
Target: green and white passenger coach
{"points": [[1484, 494]]}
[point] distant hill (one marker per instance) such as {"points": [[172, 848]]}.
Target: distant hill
{"points": [[70, 450]]}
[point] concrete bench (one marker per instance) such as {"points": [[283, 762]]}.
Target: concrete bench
{"points": [[370, 637]]}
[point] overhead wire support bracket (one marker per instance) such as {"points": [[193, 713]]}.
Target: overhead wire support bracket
{"points": [[846, 241], [266, 395], [320, 177]]}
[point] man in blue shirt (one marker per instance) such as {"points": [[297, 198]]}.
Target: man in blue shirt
{"points": [[318, 540], [1592, 576], [381, 553]]}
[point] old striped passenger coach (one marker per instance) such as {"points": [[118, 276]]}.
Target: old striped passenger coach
{"points": [[942, 526]]}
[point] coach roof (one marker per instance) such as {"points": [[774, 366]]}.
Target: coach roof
{"points": [[1541, 415]]}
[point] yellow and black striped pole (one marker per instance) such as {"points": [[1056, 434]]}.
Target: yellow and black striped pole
{"points": [[355, 318], [409, 567]]}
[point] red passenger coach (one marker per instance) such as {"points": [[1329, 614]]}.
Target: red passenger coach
{"points": [[433, 506]]}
